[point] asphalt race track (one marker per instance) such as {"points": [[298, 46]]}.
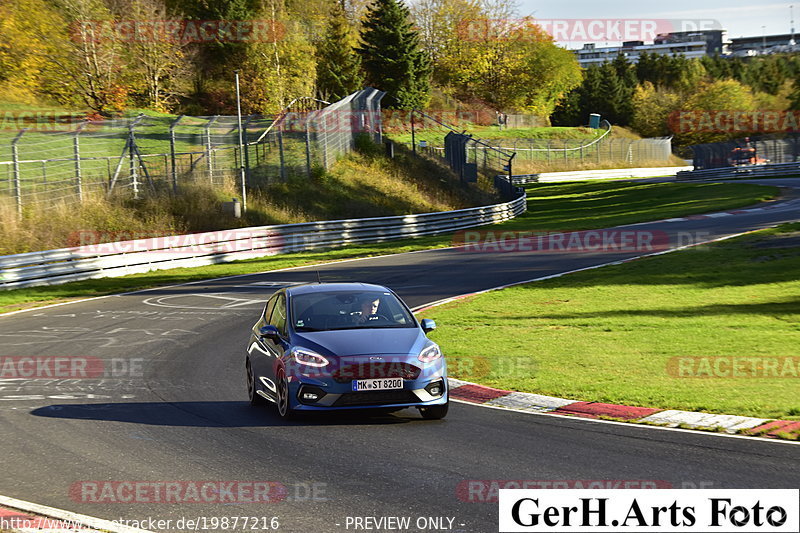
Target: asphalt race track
{"points": [[187, 418]]}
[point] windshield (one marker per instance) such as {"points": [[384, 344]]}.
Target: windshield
{"points": [[325, 311]]}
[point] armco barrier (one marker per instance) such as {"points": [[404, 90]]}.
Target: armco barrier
{"points": [[579, 175], [744, 172], [142, 255]]}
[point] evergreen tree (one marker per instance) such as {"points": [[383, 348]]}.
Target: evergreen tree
{"points": [[391, 55], [568, 111], [627, 78], [338, 65], [591, 97], [645, 68], [625, 71]]}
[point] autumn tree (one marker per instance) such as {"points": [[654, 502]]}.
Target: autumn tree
{"points": [[160, 64], [722, 95], [33, 41], [92, 63], [653, 109], [278, 70]]}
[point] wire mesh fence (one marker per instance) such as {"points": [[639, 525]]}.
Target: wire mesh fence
{"points": [[142, 155], [767, 149], [467, 156], [607, 150], [601, 150]]}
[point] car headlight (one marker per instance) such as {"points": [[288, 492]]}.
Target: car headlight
{"points": [[430, 353], [308, 357]]}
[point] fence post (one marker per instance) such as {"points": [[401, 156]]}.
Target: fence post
{"points": [[15, 159], [308, 147], [413, 135], [209, 163], [280, 151], [132, 170], [173, 162], [247, 149], [77, 152]]}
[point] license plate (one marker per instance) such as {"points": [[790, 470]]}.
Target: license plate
{"points": [[377, 384]]}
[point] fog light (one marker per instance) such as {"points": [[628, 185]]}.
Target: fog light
{"points": [[310, 394], [435, 388]]}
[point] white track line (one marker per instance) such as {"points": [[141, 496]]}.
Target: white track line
{"points": [[631, 424], [90, 521]]}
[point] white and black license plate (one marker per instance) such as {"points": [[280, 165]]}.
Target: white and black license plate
{"points": [[377, 384]]}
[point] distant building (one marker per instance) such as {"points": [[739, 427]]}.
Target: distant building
{"points": [[714, 39], [591, 55], [745, 46], [692, 44]]}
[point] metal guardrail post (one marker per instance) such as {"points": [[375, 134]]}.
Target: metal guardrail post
{"points": [[15, 160]]}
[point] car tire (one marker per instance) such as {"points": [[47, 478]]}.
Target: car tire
{"points": [[435, 412], [255, 399], [282, 404]]}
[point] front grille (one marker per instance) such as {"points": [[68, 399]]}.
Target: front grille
{"points": [[395, 369], [375, 398]]}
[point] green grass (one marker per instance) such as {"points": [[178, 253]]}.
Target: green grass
{"points": [[611, 334], [552, 207], [436, 134], [591, 205]]}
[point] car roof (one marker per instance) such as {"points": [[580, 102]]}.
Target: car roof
{"points": [[333, 287]]}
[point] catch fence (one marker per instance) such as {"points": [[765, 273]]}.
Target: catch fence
{"points": [[52, 160], [767, 149]]}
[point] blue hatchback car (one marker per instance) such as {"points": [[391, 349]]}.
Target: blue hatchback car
{"points": [[330, 346]]}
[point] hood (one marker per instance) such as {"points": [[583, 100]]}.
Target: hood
{"points": [[371, 341]]}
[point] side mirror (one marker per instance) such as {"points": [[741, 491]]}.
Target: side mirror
{"points": [[428, 325], [269, 332]]}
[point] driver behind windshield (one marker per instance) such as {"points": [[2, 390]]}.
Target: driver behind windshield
{"points": [[369, 309]]}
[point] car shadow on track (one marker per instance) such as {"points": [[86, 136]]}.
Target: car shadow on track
{"points": [[214, 414]]}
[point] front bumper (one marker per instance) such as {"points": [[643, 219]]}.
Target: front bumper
{"points": [[415, 393]]}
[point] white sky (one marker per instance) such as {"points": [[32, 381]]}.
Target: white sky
{"points": [[741, 18]]}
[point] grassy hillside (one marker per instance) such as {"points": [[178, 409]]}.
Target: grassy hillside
{"points": [[364, 184]]}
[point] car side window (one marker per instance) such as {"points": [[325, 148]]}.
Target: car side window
{"points": [[269, 307], [278, 316]]}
